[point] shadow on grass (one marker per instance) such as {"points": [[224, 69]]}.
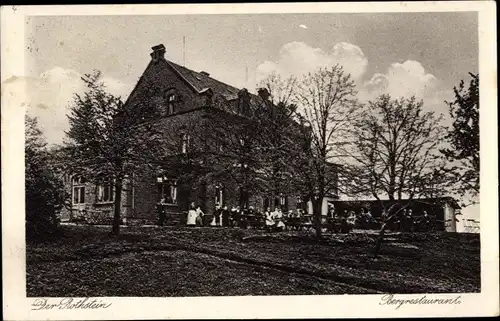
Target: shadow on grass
{"points": [[407, 262]]}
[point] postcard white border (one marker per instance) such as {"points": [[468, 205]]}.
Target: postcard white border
{"points": [[17, 306]]}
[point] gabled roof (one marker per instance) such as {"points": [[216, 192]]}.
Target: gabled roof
{"points": [[201, 82]]}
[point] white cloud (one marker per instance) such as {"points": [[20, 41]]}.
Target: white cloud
{"points": [[303, 26], [407, 79], [297, 58], [401, 79], [49, 96]]}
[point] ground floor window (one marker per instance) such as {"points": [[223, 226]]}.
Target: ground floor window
{"points": [[219, 195], [105, 191], [167, 190], [300, 203], [266, 203], [283, 202], [280, 201], [244, 198], [79, 195], [78, 184]]}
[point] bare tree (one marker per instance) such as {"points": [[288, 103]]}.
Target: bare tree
{"points": [[327, 105], [396, 156], [279, 133]]}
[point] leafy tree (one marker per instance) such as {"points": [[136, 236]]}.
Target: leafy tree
{"points": [[108, 140], [395, 155], [463, 137], [327, 105], [44, 190]]}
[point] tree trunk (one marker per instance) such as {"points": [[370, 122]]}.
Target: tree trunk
{"points": [[380, 239], [203, 196], [118, 206], [317, 206]]}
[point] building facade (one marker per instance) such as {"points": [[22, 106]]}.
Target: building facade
{"points": [[183, 99]]}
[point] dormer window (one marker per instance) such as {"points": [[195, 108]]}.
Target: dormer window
{"points": [[207, 94]]}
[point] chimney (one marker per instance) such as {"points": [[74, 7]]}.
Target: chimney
{"points": [[158, 52], [264, 94], [204, 73]]}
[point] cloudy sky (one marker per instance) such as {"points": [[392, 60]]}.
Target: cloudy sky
{"points": [[399, 53], [425, 54]]}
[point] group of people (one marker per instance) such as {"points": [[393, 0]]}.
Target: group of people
{"points": [[277, 220], [341, 222], [223, 216], [407, 222], [194, 216], [237, 217], [404, 220]]}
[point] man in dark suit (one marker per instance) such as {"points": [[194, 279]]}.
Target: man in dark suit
{"points": [[162, 211]]}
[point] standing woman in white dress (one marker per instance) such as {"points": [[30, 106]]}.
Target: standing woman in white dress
{"points": [[191, 216], [269, 219], [278, 218]]}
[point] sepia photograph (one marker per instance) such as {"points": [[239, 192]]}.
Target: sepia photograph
{"points": [[203, 155]]}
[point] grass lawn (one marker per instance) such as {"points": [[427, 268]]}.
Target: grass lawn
{"points": [[155, 262]]}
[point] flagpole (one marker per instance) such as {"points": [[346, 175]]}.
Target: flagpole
{"points": [[184, 51]]}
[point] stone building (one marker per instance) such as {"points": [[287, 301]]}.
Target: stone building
{"points": [[181, 98]]}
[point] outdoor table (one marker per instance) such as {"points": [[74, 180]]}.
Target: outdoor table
{"points": [[306, 222], [293, 222], [252, 220]]}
